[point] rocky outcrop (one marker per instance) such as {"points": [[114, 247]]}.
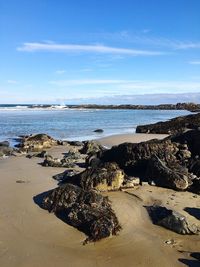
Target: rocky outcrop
{"points": [[171, 220], [161, 175], [91, 147], [106, 177], [173, 126], [172, 162], [134, 157], [88, 211], [37, 142], [49, 161]]}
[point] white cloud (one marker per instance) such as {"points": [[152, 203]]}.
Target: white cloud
{"points": [[60, 71], [118, 87], [197, 62], [101, 49], [12, 81], [86, 82]]}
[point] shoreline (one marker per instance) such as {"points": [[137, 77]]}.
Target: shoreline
{"points": [[42, 238]]}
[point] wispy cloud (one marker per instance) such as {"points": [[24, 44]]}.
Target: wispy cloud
{"points": [[105, 86], [100, 49], [60, 71], [142, 38], [12, 81], [86, 82], [196, 62]]}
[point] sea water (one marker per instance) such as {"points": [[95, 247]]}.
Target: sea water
{"points": [[75, 124]]}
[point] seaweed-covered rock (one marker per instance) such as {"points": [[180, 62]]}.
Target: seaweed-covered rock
{"points": [[163, 176], [173, 126], [37, 142], [49, 161], [91, 147], [75, 143], [65, 176], [135, 157], [191, 139], [171, 220], [88, 211], [106, 177]]}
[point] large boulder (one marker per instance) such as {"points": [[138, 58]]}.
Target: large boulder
{"points": [[37, 142], [191, 139], [134, 157], [91, 147], [106, 177], [175, 177], [171, 220], [88, 211], [173, 126]]}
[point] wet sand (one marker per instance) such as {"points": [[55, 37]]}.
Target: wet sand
{"points": [[30, 236]]}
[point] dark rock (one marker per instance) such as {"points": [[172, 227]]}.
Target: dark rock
{"points": [[64, 176], [86, 210], [49, 161], [191, 139], [175, 178], [171, 220], [75, 143], [98, 131], [41, 154], [91, 147], [173, 126], [4, 144], [134, 157]]}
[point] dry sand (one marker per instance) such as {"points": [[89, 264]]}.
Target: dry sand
{"points": [[30, 236]]}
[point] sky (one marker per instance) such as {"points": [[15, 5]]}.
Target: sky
{"points": [[92, 51]]}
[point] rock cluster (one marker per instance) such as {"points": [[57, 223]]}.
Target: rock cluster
{"points": [[88, 211], [172, 162]]}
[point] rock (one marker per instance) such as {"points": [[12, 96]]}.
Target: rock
{"points": [[41, 154], [88, 211], [171, 220], [6, 151], [91, 147], [107, 177], [191, 139], [75, 143], [64, 176], [162, 175], [98, 131], [37, 142], [173, 126], [133, 158], [5, 144], [49, 161]]}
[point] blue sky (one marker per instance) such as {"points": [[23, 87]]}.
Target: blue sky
{"points": [[89, 51]]}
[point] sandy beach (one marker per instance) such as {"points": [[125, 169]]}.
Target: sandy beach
{"points": [[30, 236]]}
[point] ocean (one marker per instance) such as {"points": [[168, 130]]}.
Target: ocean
{"points": [[75, 124]]}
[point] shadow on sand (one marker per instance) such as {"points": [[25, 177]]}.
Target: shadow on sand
{"points": [[195, 212], [192, 262]]}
